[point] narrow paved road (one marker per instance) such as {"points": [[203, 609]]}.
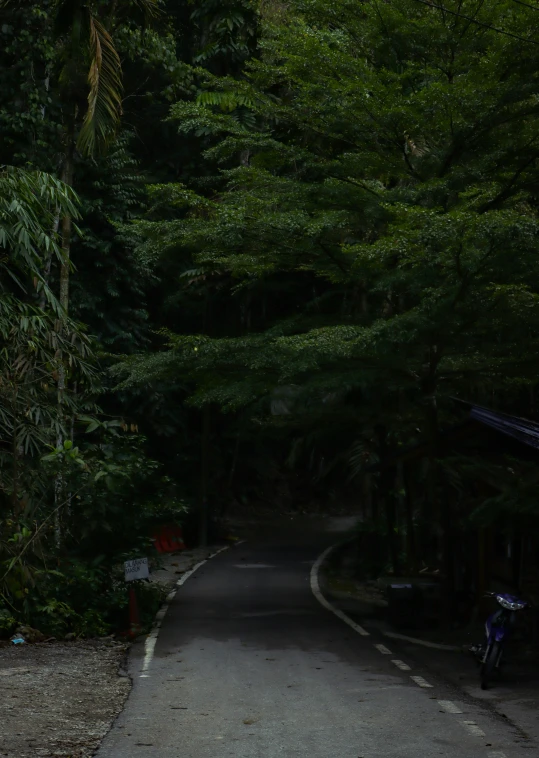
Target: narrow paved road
{"points": [[248, 664]]}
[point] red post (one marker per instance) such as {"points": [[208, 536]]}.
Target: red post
{"points": [[134, 619]]}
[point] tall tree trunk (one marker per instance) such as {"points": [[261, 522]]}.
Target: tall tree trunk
{"points": [[411, 548], [481, 570], [205, 446], [440, 504], [15, 454], [387, 496], [391, 525], [48, 263], [204, 478], [228, 495], [376, 547], [67, 227], [448, 554], [366, 497]]}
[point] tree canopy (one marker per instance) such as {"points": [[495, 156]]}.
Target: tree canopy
{"points": [[260, 250]]}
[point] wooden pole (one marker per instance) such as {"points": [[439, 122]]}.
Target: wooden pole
{"points": [[204, 478]]}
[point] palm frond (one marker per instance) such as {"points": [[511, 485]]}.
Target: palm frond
{"points": [[105, 96], [150, 7]]}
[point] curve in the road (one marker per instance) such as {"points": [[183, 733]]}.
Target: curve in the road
{"points": [[248, 664]]}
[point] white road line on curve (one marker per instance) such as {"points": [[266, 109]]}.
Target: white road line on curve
{"points": [[401, 665], [496, 754], [420, 681], [472, 727], [151, 639], [449, 706], [315, 587], [383, 649]]}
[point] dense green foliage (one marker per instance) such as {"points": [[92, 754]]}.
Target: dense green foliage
{"points": [[375, 224], [294, 233]]}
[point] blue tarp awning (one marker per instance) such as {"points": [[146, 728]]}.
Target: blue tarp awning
{"points": [[521, 429]]}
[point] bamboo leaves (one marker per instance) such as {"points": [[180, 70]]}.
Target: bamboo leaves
{"points": [[29, 204]]}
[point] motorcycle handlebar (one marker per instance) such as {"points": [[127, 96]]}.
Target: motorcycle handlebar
{"points": [[529, 606]]}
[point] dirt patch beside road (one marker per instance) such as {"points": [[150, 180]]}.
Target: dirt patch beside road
{"points": [[58, 700]]}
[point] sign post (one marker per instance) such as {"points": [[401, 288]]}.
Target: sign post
{"points": [[135, 569]]}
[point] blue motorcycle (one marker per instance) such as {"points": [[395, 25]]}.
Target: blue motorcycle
{"points": [[499, 627]]}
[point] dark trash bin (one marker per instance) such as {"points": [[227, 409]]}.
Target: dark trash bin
{"points": [[405, 606]]}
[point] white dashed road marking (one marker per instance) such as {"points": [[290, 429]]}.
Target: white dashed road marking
{"points": [[315, 587], [472, 727], [449, 707], [420, 681]]}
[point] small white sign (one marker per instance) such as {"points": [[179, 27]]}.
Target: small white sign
{"points": [[136, 569]]}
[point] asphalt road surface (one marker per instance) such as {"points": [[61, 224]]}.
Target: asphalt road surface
{"points": [[249, 664]]}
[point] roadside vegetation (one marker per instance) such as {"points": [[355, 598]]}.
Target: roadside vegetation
{"points": [[254, 252]]}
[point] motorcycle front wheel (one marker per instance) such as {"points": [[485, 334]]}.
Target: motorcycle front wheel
{"points": [[489, 664]]}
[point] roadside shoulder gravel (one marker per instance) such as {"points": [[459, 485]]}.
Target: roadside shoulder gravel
{"points": [[59, 699]]}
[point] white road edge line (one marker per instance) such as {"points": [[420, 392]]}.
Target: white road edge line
{"points": [[421, 682], [315, 587], [496, 754], [449, 706], [401, 665], [383, 649], [151, 639]]}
